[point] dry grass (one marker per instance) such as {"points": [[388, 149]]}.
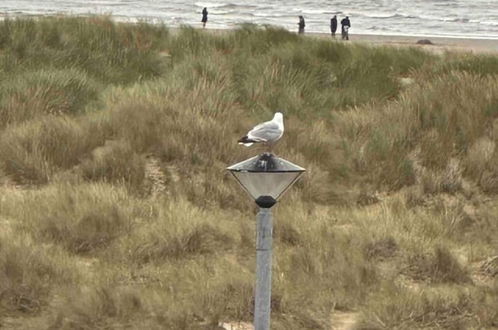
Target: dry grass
{"points": [[29, 95], [122, 214]]}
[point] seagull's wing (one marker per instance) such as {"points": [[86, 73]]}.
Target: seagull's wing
{"points": [[267, 131], [265, 124]]}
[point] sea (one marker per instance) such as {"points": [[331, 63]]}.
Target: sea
{"points": [[447, 18]]}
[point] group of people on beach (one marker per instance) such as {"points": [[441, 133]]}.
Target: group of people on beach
{"points": [[345, 24]]}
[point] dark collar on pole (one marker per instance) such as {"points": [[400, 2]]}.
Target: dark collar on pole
{"points": [[266, 202]]}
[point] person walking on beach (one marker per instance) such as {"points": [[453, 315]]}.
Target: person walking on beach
{"points": [[204, 17], [333, 25], [346, 24], [301, 25]]}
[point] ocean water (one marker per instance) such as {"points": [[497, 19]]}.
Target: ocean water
{"points": [[450, 18]]}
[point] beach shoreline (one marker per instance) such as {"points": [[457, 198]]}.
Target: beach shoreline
{"points": [[439, 44]]}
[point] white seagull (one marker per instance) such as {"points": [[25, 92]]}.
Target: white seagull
{"points": [[267, 133]]}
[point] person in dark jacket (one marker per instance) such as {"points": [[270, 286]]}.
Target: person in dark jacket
{"points": [[346, 24], [333, 25], [301, 25], [204, 17]]}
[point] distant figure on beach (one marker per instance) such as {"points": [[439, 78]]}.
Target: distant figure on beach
{"points": [[204, 17], [333, 25], [301, 25], [346, 24]]}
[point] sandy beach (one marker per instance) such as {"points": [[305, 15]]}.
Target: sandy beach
{"points": [[439, 44]]}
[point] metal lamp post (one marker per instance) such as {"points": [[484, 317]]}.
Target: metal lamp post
{"points": [[266, 178]]}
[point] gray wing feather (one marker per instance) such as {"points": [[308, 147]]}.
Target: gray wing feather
{"points": [[266, 124], [265, 132]]}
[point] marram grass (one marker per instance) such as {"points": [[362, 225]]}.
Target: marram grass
{"points": [[117, 212]]}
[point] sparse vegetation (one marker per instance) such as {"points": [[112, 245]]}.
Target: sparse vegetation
{"points": [[116, 210]]}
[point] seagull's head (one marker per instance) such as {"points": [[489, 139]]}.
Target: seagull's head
{"points": [[279, 118]]}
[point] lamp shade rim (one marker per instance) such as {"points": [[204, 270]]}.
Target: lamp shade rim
{"points": [[270, 171], [266, 163]]}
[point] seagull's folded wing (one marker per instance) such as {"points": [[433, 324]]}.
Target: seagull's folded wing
{"points": [[267, 131], [267, 125]]}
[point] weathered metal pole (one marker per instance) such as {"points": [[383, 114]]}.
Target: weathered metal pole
{"points": [[262, 305]]}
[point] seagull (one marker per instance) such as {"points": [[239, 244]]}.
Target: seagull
{"points": [[267, 133]]}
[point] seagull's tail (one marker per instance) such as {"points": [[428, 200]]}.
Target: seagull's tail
{"points": [[247, 141]]}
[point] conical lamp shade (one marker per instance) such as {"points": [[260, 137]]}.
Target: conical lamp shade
{"points": [[266, 175]]}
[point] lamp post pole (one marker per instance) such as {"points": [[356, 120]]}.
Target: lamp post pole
{"points": [[264, 237], [262, 305]]}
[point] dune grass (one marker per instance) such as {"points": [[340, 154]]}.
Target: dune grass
{"points": [[117, 211]]}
